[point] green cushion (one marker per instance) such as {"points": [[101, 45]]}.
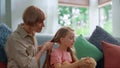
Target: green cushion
{"points": [[86, 49]]}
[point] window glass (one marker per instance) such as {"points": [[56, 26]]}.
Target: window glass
{"points": [[74, 17], [106, 17]]}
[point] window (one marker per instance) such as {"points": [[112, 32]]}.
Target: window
{"points": [[74, 17], [106, 17], [78, 17]]}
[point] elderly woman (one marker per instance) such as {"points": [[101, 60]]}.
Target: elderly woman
{"points": [[21, 47]]}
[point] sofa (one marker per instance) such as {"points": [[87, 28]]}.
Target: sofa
{"points": [[43, 38], [93, 46]]}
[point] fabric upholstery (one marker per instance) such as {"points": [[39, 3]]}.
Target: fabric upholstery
{"points": [[3, 65], [85, 49], [99, 34], [111, 55], [5, 31]]}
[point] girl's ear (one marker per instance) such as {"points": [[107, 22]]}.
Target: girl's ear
{"points": [[61, 39]]}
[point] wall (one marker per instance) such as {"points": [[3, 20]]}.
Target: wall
{"points": [[49, 7], [11, 12], [52, 17], [2, 10], [116, 17]]}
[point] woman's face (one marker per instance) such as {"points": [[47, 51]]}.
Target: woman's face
{"points": [[69, 39], [38, 27]]}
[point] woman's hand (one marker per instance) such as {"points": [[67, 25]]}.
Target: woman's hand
{"points": [[42, 49], [47, 45]]}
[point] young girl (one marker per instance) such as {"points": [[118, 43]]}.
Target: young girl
{"points": [[64, 55]]}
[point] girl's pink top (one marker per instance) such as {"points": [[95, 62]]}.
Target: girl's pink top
{"points": [[59, 56]]}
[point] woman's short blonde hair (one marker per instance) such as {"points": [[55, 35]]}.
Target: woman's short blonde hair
{"points": [[32, 15]]}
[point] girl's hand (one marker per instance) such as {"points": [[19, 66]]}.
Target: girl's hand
{"points": [[90, 60], [87, 62]]}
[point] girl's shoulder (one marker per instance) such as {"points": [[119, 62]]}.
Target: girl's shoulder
{"points": [[56, 57], [56, 52]]}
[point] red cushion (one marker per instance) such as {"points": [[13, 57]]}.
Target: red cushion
{"points": [[2, 65], [111, 55]]}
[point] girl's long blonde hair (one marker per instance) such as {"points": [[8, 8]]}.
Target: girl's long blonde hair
{"points": [[61, 33]]}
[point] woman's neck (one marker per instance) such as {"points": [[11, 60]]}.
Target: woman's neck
{"points": [[28, 29]]}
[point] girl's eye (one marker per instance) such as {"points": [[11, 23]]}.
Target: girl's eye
{"points": [[71, 38]]}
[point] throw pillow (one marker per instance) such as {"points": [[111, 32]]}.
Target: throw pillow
{"points": [[4, 34], [111, 55], [3, 65], [99, 34], [86, 49]]}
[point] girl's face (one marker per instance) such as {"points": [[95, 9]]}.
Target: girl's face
{"points": [[68, 41]]}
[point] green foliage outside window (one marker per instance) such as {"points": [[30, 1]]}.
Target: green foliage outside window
{"points": [[106, 13], [74, 17], [77, 18]]}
